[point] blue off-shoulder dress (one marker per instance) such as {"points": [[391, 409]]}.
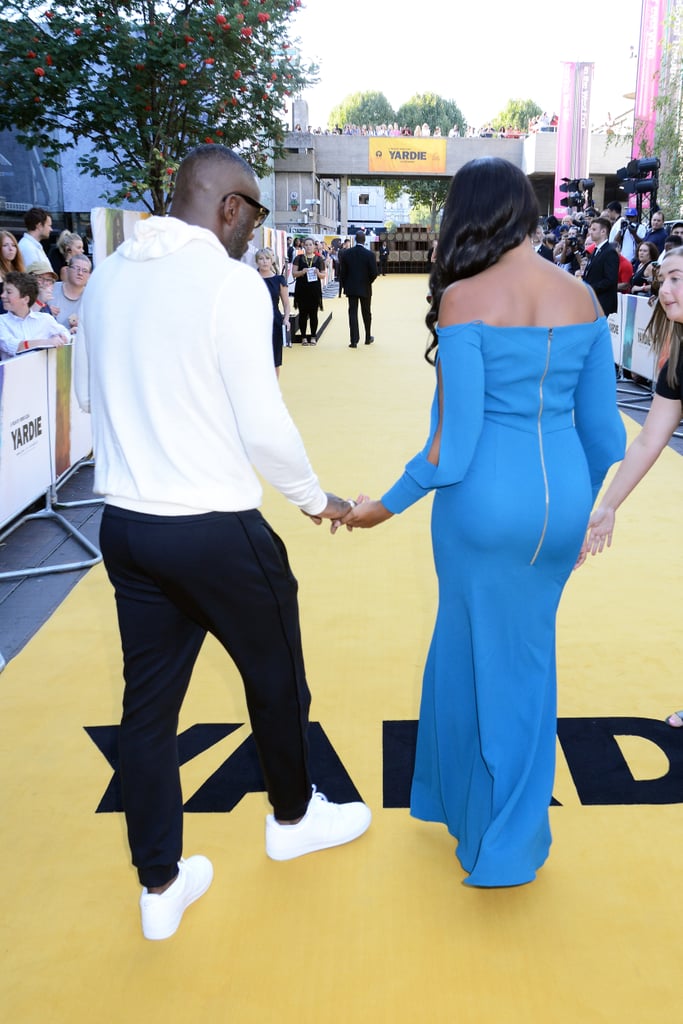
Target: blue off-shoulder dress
{"points": [[530, 426]]}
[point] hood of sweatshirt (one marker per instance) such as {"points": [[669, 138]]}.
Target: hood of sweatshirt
{"points": [[156, 237]]}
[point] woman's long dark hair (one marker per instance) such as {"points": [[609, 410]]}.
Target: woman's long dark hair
{"points": [[491, 208], [660, 330]]}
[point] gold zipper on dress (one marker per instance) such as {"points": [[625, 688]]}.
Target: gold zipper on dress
{"points": [[540, 448]]}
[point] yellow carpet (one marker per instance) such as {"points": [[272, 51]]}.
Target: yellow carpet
{"points": [[382, 930]]}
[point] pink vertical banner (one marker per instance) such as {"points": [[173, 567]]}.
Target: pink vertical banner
{"points": [[647, 80], [573, 127]]}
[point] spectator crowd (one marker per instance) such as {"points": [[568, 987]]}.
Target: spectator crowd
{"points": [[626, 250], [542, 123], [41, 280], [40, 291]]}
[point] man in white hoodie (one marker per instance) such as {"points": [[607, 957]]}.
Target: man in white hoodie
{"points": [[185, 401]]}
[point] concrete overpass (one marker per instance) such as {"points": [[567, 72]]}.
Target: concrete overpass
{"points": [[311, 179]]}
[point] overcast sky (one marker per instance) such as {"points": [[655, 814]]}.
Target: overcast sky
{"points": [[478, 55]]}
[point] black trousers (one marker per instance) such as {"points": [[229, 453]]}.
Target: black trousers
{"points": [[175, 579], [308, 315], [365, 302]]}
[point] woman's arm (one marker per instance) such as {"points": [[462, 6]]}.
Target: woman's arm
{"points": [[661, 422], [284, 299]]}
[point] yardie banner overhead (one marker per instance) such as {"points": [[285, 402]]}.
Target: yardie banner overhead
{"points": [[407, 155], [573, 127]]}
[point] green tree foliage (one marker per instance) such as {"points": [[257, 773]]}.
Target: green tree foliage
{"points": [[370, 108], [142, 81], [428, 198], [517, 115], [393, 189], [432, 109]]}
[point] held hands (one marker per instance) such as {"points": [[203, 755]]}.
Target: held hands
{"points": [[335, 510], [363, 514]]}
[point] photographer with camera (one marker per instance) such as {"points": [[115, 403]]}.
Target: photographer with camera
{"points": [[628, 233], [570, 250]]}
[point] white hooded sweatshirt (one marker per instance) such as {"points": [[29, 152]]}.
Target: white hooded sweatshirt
{"points": [[174, 360]]}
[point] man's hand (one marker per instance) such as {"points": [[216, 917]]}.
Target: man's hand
{"points": [[335, 510], [363, 514]]}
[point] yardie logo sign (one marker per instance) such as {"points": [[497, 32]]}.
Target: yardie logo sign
{"points": [[402, 154], [598, 768], [409, 156], [25, 430]]}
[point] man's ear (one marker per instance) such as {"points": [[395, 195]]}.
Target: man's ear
{"points": [[228, 209]]}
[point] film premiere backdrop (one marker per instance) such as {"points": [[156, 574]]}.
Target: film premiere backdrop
{"points": [[410, 244]]}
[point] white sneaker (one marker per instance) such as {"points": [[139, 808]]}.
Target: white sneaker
{"points": [[324, 825], [162, 912]]}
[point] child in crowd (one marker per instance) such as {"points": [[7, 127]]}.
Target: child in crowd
{"points": [[23, 329]]}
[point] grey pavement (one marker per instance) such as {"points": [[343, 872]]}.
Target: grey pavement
{"points": [[26, 602]]}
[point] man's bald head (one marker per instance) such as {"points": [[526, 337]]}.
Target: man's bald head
{"points": [[206, 194]]}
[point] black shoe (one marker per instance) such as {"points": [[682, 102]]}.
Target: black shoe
{"points": [[353, 346], [369, 340]]}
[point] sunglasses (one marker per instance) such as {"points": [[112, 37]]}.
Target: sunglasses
{"points": [[263, 211]]}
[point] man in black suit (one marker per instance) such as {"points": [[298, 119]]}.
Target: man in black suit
{"points": [[357, 271], [601, 270]]}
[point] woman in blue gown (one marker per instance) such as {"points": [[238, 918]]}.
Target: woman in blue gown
{"points": [[524, 426]]}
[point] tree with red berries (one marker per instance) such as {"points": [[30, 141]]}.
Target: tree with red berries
{"points": [[143, 81]]}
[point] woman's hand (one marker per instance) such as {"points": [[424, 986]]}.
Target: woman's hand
{"points": [[364, 514], [600, 530]]}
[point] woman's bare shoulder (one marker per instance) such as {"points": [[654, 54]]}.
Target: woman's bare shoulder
{"points": [[460, 303], [564, 298], [544, 295]]}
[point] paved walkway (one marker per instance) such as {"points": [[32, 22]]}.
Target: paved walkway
{"points": [[26, 602]]}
